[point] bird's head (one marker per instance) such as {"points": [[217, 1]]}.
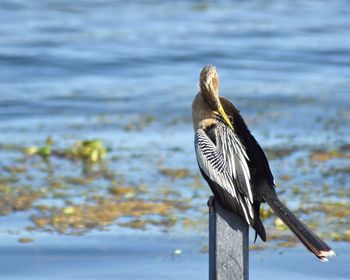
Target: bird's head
{"points": [[209, 85], [209, 89]]}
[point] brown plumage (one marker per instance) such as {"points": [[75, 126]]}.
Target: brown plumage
{"points": [[235, 166]]}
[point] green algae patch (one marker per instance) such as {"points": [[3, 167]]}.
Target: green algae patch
{"points": [[280, 225], [44, 151], [265, 213], [92, 151]]}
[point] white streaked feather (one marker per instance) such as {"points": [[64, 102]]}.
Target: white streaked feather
{"points": [[250, 207], [243, 206], [235, 149], [218, 163]]}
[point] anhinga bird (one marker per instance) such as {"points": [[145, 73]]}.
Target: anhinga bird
{"points": [[235, 166]]}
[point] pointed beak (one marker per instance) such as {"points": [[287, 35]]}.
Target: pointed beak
{"points": [[223, 114]]}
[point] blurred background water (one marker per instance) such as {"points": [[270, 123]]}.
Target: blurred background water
{"points": [[90, 69]]}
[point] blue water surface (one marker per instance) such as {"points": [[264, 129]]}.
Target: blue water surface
{"points": [[65, 64]]}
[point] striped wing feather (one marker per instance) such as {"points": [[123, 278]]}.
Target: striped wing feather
{"points": [[224, 161]]}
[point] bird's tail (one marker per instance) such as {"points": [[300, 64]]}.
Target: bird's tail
{"points": [[309, 239]]}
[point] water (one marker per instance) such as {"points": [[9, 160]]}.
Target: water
{"points": [[83, 70], [145, 257]]}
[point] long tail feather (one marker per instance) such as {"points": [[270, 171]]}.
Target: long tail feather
{"points": [[309, 239]]}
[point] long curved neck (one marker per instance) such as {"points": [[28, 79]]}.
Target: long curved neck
{"points": [[202, 115]]}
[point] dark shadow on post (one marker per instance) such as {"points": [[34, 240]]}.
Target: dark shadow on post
{"points": [[228, 245]]}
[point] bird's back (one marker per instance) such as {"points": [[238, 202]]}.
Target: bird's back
{"points": [[258, 164]]}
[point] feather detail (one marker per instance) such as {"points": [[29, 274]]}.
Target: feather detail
{"points": [[226, 164]]}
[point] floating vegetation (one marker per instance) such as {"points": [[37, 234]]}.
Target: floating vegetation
{"points": [[17, 198], [168, 191], [139, 123], [288, 244], [25, 240], [328, 155], [195, 223], [337, 170], [276, 153], [175, 173], [8, 180], [90, 151], [72, 190], [165, 222], [345, 236], [82, 217], [81, 180], [15, 169], [120, 191], [280, 225], [286, 177], [332, 209], [44, 151], [257, 247], [265, 213]]}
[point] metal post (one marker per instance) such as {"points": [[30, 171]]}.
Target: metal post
{"points": [[228, 245]]}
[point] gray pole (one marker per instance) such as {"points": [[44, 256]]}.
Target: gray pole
{"points": [[228, 245]]}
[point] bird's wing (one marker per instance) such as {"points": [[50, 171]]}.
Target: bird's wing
{"points": [[255, 153], [225, 163], [235, 155]]}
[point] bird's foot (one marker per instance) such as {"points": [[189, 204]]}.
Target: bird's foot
{"points": [[211, 204]]}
